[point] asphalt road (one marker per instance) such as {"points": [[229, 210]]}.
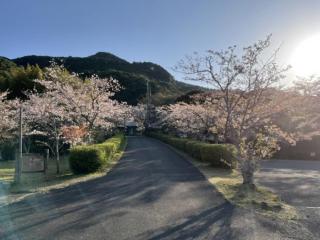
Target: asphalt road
{"points": [[297, 183], [152, 193]]}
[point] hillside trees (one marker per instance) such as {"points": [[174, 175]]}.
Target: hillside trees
{"points": [[132, 76], [305, 113], [16, 80], [308, 86]]}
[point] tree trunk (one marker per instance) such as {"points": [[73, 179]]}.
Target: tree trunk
{"points": [[57, 147], [57, 155], [248, 178], [227, 130]]}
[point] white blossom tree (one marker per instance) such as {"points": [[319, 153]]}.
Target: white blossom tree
{"points": [[7, 123], [138, 114], [87, 102], [46, 117], [243, 90], [192, 120], [71, 109]]}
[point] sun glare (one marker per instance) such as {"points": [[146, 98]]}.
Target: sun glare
{"points": [[306, 58]]}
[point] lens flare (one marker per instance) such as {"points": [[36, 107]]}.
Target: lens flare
{"points": [[306, 58]]}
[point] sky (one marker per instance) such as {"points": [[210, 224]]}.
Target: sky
{"points": [[159, 31]]}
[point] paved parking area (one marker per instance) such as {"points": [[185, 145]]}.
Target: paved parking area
{"points": [[298, 183]]}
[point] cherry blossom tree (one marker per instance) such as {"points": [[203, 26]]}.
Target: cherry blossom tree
{"points": [[74, 134], [7, 123], [7, 129], [71, 109], [47, 117], [138, 115], [88, 103], [255, 131], [192, 120], [243, 89]]}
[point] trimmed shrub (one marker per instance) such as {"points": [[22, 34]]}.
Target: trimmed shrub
{"points": [[178, 143], [7, 152], [87, 159], [218, 155], [91, 158], [193, 148]]}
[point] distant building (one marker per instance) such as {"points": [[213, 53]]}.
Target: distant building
{"points": [[131, 128]]}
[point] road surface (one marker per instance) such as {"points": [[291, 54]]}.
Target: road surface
{"points": [[152, 193], [297, 183]]}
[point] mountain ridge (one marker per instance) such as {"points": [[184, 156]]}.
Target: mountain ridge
{"points": [[132, 75]]}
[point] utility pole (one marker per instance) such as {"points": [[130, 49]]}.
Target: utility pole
{"points": [[148, 101], [18, 170], [57, 139]]}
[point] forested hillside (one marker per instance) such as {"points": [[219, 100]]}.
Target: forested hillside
{"points": [[132, 76]]}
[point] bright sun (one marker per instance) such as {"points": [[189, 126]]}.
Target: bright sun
{"points": [[306, 58]]}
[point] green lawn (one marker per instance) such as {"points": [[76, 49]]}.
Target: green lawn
{"points": [[30, 182], [6, 171], [34, 180], [40, 182], [229, 184]]}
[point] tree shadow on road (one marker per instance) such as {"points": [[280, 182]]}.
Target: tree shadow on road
{"points": [[213, 223], [131, 183]]}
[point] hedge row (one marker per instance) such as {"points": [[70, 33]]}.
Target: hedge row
{"points": [[91, 158], [218, 155], [7, 151]]}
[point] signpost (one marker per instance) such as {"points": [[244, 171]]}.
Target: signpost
{"points": [[33, 163]]}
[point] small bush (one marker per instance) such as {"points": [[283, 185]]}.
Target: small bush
{"points": [[86, 159], [91, 158]]}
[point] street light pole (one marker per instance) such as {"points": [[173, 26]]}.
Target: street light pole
{"points": [[18, 170], [148, 96]]}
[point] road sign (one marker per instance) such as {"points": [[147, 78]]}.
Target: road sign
{"points": [[32, 162]]}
